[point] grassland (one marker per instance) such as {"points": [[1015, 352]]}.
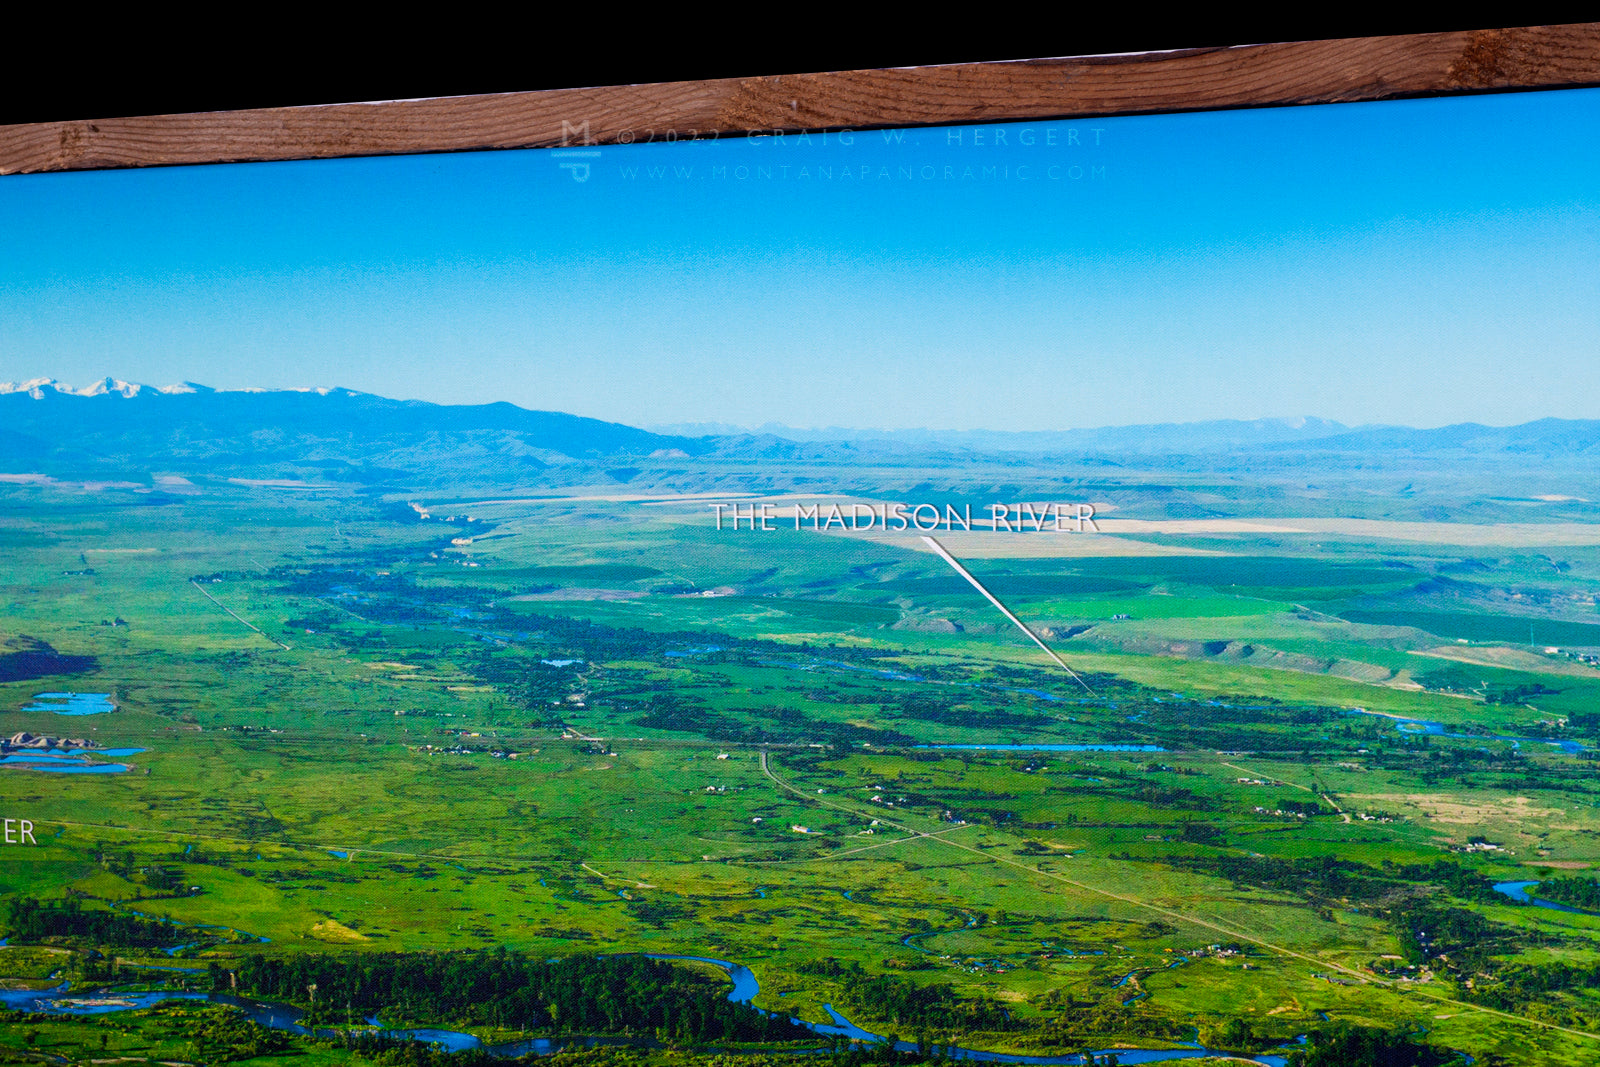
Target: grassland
{"points": [[587, 725]]}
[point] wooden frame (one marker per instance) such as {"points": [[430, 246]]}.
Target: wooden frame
{"points": [[1269, 75]]}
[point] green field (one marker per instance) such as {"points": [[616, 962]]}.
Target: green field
{"points": [[599, 727]]}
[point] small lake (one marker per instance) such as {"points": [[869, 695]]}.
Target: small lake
{"points": [[72, 703], [41, 761], [1518, 891], [68, 761]]}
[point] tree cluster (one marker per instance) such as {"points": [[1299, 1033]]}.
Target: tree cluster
{"points": [[30, 920], [612, 994], [883, 996]]}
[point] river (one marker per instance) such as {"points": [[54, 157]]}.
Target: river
{"points": [[1518, 891], [60, 1001], [1438, 729]]}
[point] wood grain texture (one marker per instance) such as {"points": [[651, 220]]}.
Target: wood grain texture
{"points": [[1373, 68]]}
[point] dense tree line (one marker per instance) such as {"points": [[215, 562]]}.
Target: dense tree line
{"points": [[1301, 807], [1349, 1046], [1518, 983], [1427, 932], [219, 1035], [1460, 880], [950, 711], [772, 725], [1574, 892], [30, 920], [1175, 797], [618, 994], [1335, 879], [885, 997], [536, 686], [1170, 719], [1075, 1024], [393, 1053], [1323, 876]]}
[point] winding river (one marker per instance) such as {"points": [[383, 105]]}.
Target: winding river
{"points": [[1518, 891], [1439, 729], [60, 1001]]}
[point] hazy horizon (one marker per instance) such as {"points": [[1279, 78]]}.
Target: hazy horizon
{"points": [[716, 428], [1419, 263]]}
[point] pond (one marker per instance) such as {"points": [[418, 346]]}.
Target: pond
{"points": [[41, 761], [72, 703]]}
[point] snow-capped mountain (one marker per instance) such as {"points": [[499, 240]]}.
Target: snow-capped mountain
{"points": [[36, 387], [113, 425]]}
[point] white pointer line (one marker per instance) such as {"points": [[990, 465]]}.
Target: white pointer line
{"points": [[948, 558]]}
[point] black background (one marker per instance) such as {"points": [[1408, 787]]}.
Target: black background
{"points": [[278, 58]]}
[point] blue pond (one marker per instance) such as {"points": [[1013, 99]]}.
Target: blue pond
{"points": [[72, 703], [58, 764], [56, 753]]}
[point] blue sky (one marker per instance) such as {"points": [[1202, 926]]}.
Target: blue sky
{"points": [[1416, 262]]}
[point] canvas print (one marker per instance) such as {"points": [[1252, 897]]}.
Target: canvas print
{"points": [[1100, 591]]}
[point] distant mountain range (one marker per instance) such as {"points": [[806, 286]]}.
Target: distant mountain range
{"points": [[113, 425], [1567, 436], [1162, 437]]}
